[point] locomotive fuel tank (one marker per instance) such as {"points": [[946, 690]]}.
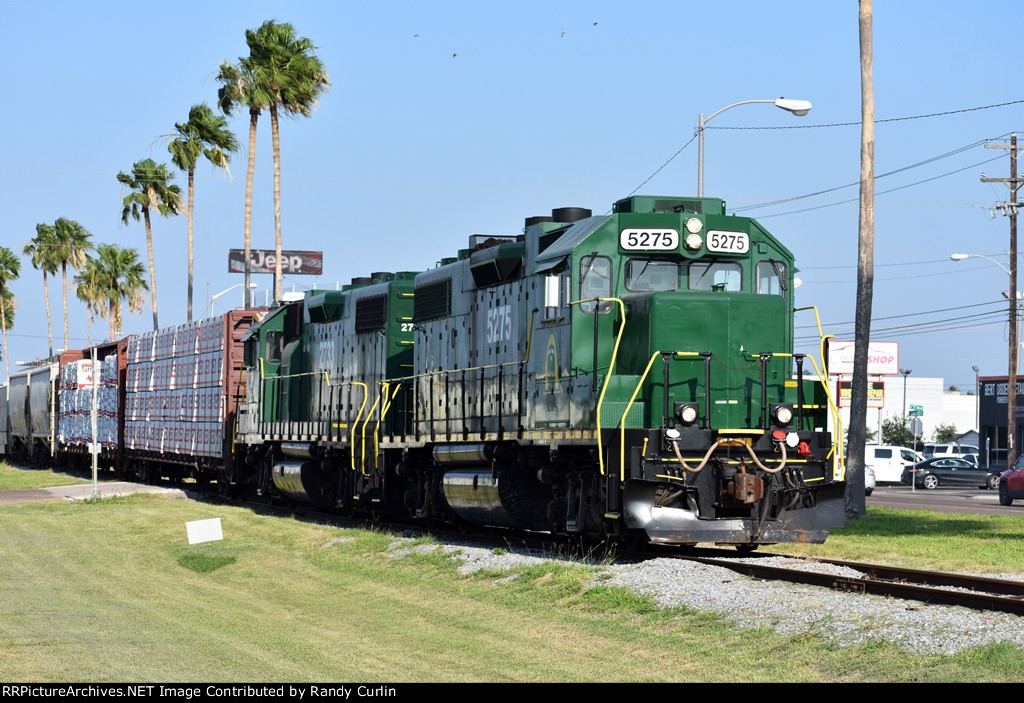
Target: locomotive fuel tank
{"points": [[505, 498]]}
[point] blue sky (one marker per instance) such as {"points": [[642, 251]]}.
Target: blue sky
{"points": [[547, 104]]}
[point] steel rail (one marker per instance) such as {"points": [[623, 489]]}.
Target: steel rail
{"points": [[932, 587]]}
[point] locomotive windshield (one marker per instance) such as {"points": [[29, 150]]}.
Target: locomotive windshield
{"points": [[651, 275], [716, 276]]}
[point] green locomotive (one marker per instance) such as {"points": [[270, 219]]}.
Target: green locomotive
{"points": [[625, 376]]}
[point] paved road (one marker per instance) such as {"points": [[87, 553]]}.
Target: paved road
{"points": [[946, 500]]}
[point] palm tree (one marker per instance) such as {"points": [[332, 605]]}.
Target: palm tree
{"points": [[240, 87], [10, 267], [280, 73], [151, 187], [119, 278], [89, 289], [205, 133], [41, 250], [71, 245]]}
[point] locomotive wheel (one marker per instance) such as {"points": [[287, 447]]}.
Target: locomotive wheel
{"points": [[746, 548]]}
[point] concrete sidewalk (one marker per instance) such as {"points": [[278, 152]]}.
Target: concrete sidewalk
{"points": [[83, 491]]}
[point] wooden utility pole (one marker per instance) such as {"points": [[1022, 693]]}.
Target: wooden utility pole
{"points": [[1013, 183], [854, 497]]}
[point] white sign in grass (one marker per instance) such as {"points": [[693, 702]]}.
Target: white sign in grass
{"points": [[204, 530]]}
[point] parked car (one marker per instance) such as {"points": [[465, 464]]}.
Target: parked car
{"points": [[1011, 483], [949, 449], [950, 471], [869, 480], [888, 461]]}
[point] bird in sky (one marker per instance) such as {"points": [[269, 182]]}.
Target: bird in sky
{"points": [[454, 55], [563, 31]]}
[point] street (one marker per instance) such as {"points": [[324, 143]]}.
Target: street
{"points": [[946, 500]]}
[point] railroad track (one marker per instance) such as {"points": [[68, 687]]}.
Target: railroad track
{"points": [[932, 587]]}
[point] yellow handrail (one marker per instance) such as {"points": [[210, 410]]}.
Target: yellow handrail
{"points": [[837, 445], [362, 436], [622, 421], [383, 414], [611, 368], [837, 442]]}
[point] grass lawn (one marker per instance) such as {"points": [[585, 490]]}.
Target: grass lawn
{"points": [[13, 477], [111, 591]]}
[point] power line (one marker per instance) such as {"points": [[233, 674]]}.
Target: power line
{"points": [[880, 192], [933, 159], [890, 119], [908, 314]]}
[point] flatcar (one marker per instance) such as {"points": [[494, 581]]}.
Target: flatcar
{"points": [[628, 376]]}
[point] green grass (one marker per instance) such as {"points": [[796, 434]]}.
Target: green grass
{"points": [[924, 539], [111, 591], [13, 477]]}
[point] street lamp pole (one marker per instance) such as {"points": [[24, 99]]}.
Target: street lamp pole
{"points": [[1011, 376], [227, 290], [797, 107], [905, 372], [977, 401]]}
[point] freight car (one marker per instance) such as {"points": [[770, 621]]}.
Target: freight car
{"points": [[627, 376]]}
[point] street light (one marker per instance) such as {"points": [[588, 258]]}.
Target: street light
{"points": [[797, 107], [1011, 375], [228, 290], [977, 396], [905, 372]]}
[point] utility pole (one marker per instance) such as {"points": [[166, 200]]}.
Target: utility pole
{"points": [[853, 497], [1013, 183]]}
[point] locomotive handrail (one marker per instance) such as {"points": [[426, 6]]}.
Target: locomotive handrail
{"points": [[622, 420], [362, 436], [821, 335], [384, 408], [330, 384], [837, 444], [629, 405], [428, 375], [611, 367]]}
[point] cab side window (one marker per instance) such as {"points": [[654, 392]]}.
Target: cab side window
{"points": [[275, 346], [771, 277], [595, 282]]}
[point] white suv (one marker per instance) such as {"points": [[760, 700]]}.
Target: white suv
{"points": [[949, 449]]}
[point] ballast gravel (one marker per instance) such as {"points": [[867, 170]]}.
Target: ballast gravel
{"points": [[840, 618]]}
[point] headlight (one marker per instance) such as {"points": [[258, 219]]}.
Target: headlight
{"points": [[686, 413], [782, 414], [694, 225], [694, 242]]}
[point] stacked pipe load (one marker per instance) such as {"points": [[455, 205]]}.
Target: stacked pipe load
{"points": [[174, 401], [75, 395]]}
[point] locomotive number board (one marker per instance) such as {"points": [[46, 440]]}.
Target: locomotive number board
{"points": [[728, 242], [649, 239]]}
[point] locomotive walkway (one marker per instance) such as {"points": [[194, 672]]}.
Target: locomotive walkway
{"points": [[83, 491]]}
